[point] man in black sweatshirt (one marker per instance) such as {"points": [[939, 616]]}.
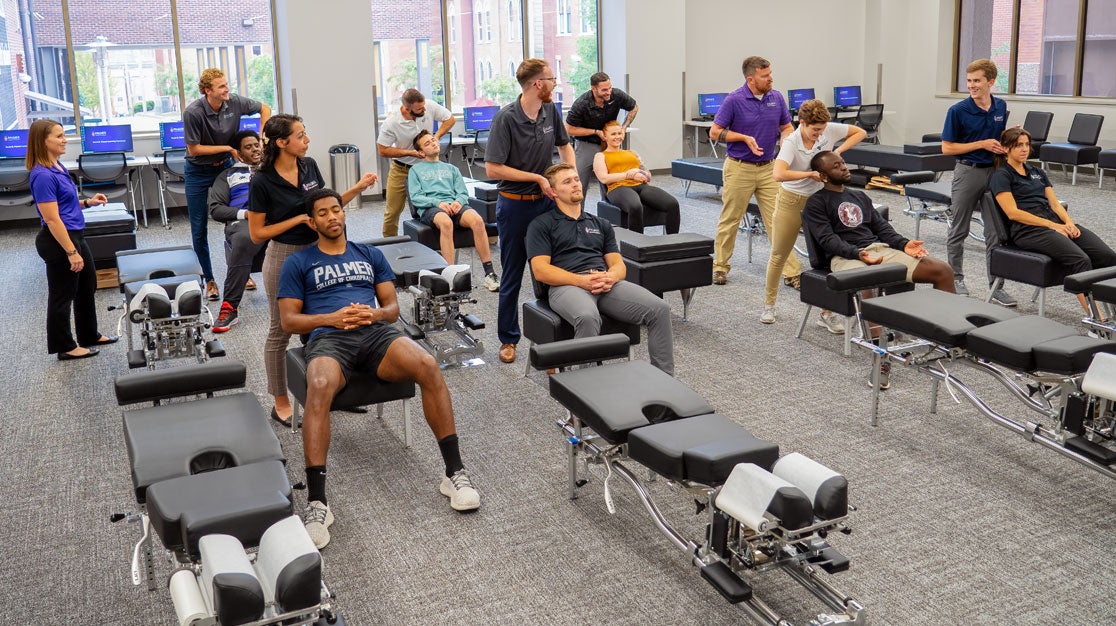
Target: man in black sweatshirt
{"points": [[848, 231]]}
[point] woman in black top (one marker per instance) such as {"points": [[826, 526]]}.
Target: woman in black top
{"points": [[1038, 221], [276, 214]]}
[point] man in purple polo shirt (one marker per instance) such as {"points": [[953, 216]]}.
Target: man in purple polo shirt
{"points": [[751, 122]]}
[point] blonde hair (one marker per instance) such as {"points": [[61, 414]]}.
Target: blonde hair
{"points": [[983, 65], [528, 70], [36, 143], [553, 171], [207, 78], [813, 112]]}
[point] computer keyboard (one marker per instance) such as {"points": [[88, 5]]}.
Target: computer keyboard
{"points": [[469, 133]]}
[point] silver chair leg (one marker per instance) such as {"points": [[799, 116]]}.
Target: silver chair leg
{"points": [[1073, 181], [527, 361], [996, 284], [406, 423], [687, 296], [1042, 301], [848, 334], [805, 318]]}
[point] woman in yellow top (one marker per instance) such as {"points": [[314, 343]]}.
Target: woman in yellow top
{"points": [[627, 183]]}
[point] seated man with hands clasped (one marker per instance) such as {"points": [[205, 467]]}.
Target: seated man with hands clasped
{"points": [[440, 198], [577, 255], [342, 294]]}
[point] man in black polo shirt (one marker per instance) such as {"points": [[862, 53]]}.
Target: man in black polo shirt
{"points": [[576, 254], [588, 115], [210, 123], [523, 136]]}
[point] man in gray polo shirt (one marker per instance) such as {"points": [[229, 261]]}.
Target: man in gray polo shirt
{"points": [[396, 142], [520, 144], [210, 123]]}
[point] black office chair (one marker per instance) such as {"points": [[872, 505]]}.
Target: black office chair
{"points": [[172, 178], [1037, 124], [1081, 147], [445, 144], [869, 117], [618, 217], [1007, 262], [15, 184], [109, 174]]}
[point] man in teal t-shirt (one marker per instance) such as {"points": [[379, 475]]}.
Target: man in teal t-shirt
{"points": [[438, 194]]}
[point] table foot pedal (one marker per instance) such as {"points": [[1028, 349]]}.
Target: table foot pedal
{"points": [[136, 359], [330, 619], [1095, 451], [472, 322], [414, 332], [830, 560], [213, 348], [726, 582]]}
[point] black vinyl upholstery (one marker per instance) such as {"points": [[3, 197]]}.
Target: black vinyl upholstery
{"points": [[941, 317], [702, 449]]}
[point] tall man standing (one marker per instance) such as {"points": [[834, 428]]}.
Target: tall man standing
{"points": [[523, 136], [210, 123], [396, 142], [972, 130], [751, 122], [586, 119]]}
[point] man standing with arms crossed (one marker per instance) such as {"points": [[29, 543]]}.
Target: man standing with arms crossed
{"points": [[396, 142], [209, 124], [751, 122], [587, 117], [523, 136]]}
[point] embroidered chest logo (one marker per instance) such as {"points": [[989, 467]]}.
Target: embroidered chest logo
{"points": [[850, 214]]}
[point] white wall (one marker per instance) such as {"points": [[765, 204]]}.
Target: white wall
{"points": [[656, 56]]}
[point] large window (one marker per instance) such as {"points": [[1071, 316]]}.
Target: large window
{"points": [[1042, 47], [408, 52], [125, 66], [578, 54]]}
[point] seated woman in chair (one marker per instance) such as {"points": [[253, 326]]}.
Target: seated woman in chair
{"points": [[1038, 221], [627, 180]]}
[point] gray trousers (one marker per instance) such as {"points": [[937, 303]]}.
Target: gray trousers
{"points": [[585, 151], [970, 185], [626, 302]]}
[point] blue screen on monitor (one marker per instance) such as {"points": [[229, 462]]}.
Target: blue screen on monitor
{"points": [[13, 144], [710, 103], [106, 138], [558, 107], [249, 122], [172, 135], [796, 97], [848, 96], [479, 118]]}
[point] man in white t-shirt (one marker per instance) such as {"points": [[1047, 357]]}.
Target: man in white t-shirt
{"points": [[396, 142], [815, 133]]}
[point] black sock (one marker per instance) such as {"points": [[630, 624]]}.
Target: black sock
{"points": [[451, 455], [488, 268], [315, 484]]}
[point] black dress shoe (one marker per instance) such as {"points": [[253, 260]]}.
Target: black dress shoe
{"points": [[66, 356], [107, 340]]}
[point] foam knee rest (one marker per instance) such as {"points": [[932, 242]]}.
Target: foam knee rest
{"points": [[289, 566], [188, 298], [826, 489], [751, 493], [1100, 379], [229, 580], [151, 301], [459, 277]]}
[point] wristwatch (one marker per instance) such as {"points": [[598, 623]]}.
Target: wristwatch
{"points": [[72, 252]]}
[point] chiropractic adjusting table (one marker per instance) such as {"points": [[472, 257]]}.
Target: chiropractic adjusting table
{"points": [[764, 512], [1067, 378]]}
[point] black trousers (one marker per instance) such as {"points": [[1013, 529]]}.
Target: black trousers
{"points": [[635, 200], [68, 290], [1079, 255]]}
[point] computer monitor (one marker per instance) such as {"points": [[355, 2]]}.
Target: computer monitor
{"points": [[13, 144], [172, 135], [106, 138], [795, 97], [848, 96], [250, 122], [710, 103], [479, 118], [558, 107]]}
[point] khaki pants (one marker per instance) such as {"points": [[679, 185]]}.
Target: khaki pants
{"points": [[396, 198], [741, 182], [785, 225]]}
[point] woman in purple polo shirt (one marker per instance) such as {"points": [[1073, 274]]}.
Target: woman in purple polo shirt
{"points": [[71, 276]]}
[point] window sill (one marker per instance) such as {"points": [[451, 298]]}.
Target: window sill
{"points": [[955, 95]]}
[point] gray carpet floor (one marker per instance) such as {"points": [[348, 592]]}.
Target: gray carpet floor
{"points": [[958, 521]]}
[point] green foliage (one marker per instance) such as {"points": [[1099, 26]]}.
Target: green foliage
{"points": [[499, 89], [88, 94], [585, 63], [261, 80], [405, 75]]}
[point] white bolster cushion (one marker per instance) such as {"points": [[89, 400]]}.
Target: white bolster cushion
{"points": [[137, 303], [188, 298], [1100, 378], [228, 580], [289, 565], [827, 490], [749, 492], [459, 277]]}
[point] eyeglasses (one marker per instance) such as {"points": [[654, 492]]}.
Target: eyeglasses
{"points": [[551, 78]]}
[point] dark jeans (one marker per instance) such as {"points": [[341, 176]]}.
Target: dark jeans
{"points": [[1085, 253], [512, 219], [199, 178], [636, 200], [68, 290], [241, 258]]}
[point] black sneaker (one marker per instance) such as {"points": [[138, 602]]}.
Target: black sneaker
{"points": [[226, 319]]}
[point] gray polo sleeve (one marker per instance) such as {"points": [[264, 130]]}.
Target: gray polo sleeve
{"points": [[499, 138], [192, 123], [246, 106]]}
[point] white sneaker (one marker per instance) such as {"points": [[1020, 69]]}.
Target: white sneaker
{"points": [[492, 282], [832, 323], [317, 518], [768, 315], [459, 489]]}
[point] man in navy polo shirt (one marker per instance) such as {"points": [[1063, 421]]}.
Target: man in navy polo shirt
{"points": [[972, 130], [751, 122], [520, 144], [210, 123], [576, 254]]}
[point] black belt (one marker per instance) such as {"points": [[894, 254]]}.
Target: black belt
{"points": [[979, 166], [401, 164], [756, 163]]}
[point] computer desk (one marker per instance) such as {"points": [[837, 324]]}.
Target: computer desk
{"points": [[695, 127], [134, 164]]}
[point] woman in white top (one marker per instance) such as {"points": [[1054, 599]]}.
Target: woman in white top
{"points": [[799, 182]]}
